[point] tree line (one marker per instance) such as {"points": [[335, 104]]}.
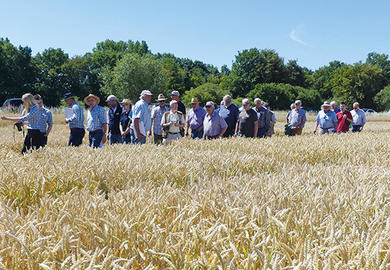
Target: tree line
{"points": [[125, 68]]}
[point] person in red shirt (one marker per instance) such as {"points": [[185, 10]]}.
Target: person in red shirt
{"points": [[344, 118]]}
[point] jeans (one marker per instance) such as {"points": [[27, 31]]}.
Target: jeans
{"points": [[76, 136], [229, 131], [326, 131], [197, 135], [356, 128], [261, 132], [95, 139], [115, 138], [138, 141], [127, 139], [34, 140]]}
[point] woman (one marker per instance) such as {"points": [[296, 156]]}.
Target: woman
{"points": [[125, 121], [36, 126]]}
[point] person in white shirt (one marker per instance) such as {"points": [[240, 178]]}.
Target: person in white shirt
{"points": [[172, 122], [359, 118]]}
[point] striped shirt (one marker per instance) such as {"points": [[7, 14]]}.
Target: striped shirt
{"points": [[77, 119], [38, 119], [96, 118]]}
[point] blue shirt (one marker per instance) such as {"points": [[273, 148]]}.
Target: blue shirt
{"points": [[141, 111], [263, 117], [213, 124], [77, 119], [326, 120], [96, 118], [229, 114], [157, 114], [38, 119], [359, 117], [195, 117], [297, 117]]}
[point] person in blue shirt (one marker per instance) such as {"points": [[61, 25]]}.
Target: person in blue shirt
{"points": [[141, 120], [97, 124], [76, 121], [47, 115], [326, 119], [229, 112], [36, 124], [114, 118], [125, 121]]}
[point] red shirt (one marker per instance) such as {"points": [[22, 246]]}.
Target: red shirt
{"points": [[343, 123]]}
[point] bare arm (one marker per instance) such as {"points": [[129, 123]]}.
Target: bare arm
{"points": [[256, 128]]}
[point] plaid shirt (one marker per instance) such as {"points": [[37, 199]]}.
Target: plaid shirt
{"points": [[38, 119], [77, 119], [96, 118]]}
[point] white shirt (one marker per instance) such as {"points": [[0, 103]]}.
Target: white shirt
{"points": [[359, 117]]}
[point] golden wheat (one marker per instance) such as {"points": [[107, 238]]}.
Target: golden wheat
{"points": [[304, 202]]}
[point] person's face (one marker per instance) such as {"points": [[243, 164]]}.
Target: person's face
{"points": [[162, 103], [298, 106], [112, 103], [247, 106], [210, 109], [174, 107], [91, 102], [227, 100], [126, 107], [342, 107], [39, 103], [334, 106], [258, 104], [326, 109], [194, 105], [175, 98], [69, 101], [148, 99]]}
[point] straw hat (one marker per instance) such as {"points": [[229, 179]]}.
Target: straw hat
{"points": [[326, 104], [161, 97], [92, 96], [194, 100]]}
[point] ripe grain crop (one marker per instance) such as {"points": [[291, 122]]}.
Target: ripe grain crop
{"points": [[304, 202]]}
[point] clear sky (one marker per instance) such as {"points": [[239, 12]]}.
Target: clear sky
{"points": [[313, 32]]}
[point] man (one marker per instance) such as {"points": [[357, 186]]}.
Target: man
{"points": [[247, 124], [229, 112], [272, 118], [263, 118], [344, 118], [326, 119], [76, 121], [125, 121], [175, 95], [195, 119], [335, 106], [114, 119], [359, 118], [213, 124], [96, 122], [171, 122], [297, 119], [47, 118], [157, 114], [288, 117], [142, 120]]}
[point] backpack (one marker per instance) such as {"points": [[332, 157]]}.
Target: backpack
{"points": [[165, 130]]}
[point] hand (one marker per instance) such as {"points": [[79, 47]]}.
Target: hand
{"points": [[176, 124], [199, 129], [345, 116], [314, 131], [46, 134], [140, 136], [3, 118], [104, 139]]}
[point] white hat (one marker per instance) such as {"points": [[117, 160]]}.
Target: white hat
{"points": [[111, 97], [209, 104], [245, 101], [172, 102], [175, 93], [146, 93]]}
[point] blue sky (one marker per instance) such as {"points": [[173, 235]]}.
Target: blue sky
{"points": [[312, 32]]}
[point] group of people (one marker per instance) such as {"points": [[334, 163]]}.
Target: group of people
{"points": [[330, 119], [128, 124]]}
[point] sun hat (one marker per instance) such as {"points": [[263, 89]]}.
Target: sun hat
{"points": [[175, 93], [111, 97], [146, 93], [161, 97], [194, 100], [245, 101], [326, 104], [209, 104], [126, 101], [92, 96], [172, 102]]}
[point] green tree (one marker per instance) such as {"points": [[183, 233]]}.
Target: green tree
{"points": [[279, 96], [295, 74], [382, 61], [360, 82], [204, 93], [382, 99], [134, 73]]}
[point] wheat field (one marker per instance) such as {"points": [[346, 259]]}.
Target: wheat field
{"points": [[304, 202]]}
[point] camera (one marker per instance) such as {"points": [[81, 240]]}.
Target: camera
{"points": [[19, 126]]}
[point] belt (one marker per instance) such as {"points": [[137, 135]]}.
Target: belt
{"points": [[96, 131], [76, 128], [173, 132]]}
